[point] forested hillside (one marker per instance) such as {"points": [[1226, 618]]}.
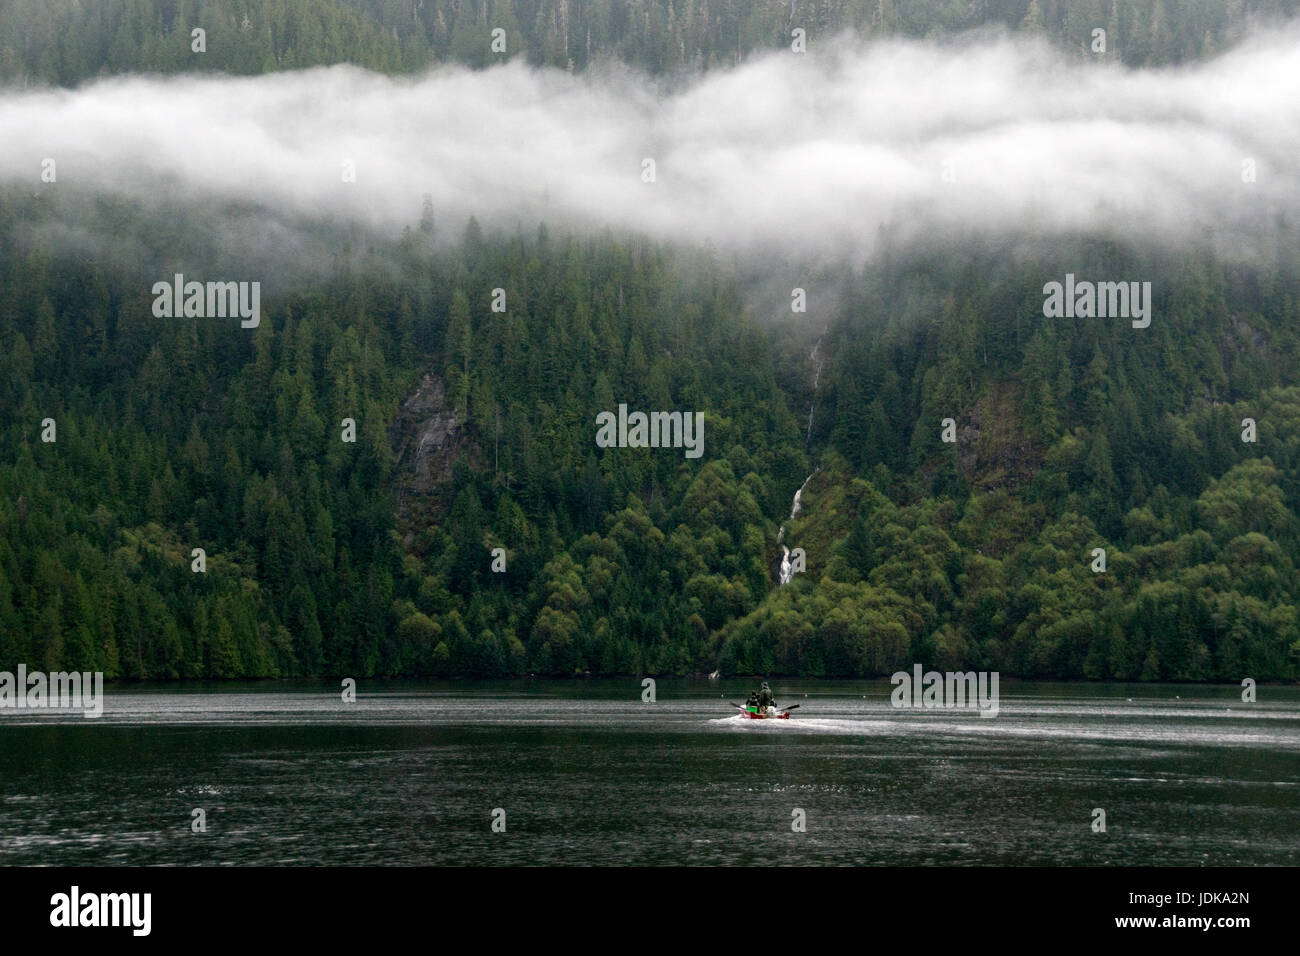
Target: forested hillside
{"points": [[475, 527], [1072, 435], [65, 42], [192, 434]]}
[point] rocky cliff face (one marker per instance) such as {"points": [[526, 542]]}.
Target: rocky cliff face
{"points": [[426, 437]]}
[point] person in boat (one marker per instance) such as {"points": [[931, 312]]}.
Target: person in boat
{"points": [[752, 704], [765, 698]]}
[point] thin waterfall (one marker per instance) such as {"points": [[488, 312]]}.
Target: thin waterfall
{"points": [[817, 357], [795, 507]]}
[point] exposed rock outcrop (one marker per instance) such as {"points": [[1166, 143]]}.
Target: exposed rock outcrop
{"points": [[426, 437]]}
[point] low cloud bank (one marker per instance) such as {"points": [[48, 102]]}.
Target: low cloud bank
{"points": [[810, 153]]}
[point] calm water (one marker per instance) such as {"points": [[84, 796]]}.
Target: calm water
{"points": [[588, 773]]}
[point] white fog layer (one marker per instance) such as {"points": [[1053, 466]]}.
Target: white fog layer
{"points": [[814, 151]]}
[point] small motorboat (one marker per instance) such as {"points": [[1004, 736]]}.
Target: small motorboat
{"points": [[772, 713]]}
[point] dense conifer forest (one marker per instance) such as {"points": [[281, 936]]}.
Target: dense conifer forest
{"points": [[474, 427]]}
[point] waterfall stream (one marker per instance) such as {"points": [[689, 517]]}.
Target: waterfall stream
{"points": [[817, 357], [796, 505]]}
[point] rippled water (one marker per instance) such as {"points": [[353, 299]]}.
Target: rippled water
{"points": [[588, 773]]}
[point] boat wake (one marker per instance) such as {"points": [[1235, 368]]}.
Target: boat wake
{"points": [[1140, 733], [812, 725]]}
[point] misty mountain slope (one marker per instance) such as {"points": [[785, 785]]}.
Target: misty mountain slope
{"points": [[621, 560], [491, 262]]}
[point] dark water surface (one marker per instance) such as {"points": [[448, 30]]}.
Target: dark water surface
{"points": [[587, 773]]}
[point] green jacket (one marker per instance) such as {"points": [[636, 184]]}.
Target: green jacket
{"points": [[765, 699]]}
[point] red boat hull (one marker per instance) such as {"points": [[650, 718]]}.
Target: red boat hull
{"points": [[745, 713]]}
